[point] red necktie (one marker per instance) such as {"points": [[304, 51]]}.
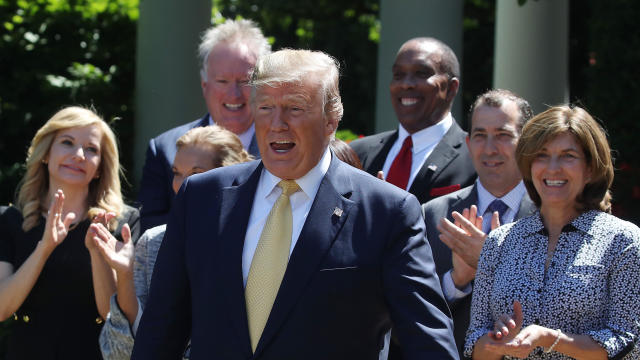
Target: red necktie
{"points": [[401, 166]]}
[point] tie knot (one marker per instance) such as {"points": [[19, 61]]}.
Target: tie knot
{"points": [[407, 143], [288, 187], [499, 206]]}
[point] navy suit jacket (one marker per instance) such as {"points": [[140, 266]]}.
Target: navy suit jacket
{"points": [[442, 207], [448, 168], [156, 189], [351, 276]]}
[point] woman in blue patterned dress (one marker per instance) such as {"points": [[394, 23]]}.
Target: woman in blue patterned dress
{"points": [[564, 282]]}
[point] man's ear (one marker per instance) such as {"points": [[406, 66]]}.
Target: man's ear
{"points": [[331, 124], [452, 89], [466, 139]]}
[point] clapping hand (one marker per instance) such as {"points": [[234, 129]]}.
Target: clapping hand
{"points": [[465, 237], [509, 338], [56, 228], [118, 254]]}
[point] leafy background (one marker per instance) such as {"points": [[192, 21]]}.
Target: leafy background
{"points": [[60, 52]]}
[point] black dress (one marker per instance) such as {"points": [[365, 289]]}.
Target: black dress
{"points": [[59, 318]]}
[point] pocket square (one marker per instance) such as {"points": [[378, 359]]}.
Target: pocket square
{"points": [[439, 191]]}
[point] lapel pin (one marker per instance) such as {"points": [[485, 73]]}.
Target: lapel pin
{"points": [[432, 167], [337, 212]]}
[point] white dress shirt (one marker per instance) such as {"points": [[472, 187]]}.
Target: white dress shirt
{"points": [[245, 137], [266, 195], [512, 199], [424, 141]]}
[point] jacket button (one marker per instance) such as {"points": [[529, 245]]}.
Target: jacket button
{"points": [[99, 320], [25, 318]]}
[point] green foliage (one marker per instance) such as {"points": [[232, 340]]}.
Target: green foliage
{"points": [[346, 135]]}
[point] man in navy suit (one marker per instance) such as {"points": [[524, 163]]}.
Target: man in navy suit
{"points": [[426, 78], [227, 53], [497, 118], [356, 260]]}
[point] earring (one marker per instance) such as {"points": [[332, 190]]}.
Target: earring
{"points": [[44, 161]]}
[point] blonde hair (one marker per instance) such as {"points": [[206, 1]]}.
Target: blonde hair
{"points": [[574, 120], [104, 192], [226, 147], [289, 66]]}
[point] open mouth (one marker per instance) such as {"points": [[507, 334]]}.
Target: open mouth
{"points": [[282, 146], [233, 107], [492, 164], [408, 101], [554, 183]]}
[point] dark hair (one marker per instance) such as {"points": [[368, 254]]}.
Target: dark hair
{"points": [[557, 120], [448, 62], [345, 153], [496, 97]]}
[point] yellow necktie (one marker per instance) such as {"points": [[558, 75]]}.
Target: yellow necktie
{"points": [[269, 262]]}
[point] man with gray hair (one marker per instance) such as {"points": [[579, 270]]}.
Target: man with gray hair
{"points": [[227, 53], [457, 223], [292, 256]]}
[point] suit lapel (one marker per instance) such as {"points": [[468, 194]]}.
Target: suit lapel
{"points": [[527, 207], [465, 200], [235, 208], [379, 152], [437, 161], [318, 234]]}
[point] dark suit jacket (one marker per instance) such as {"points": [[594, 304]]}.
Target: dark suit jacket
{"points": [[450, 159], [441, 207], [350, 276], [156, 190]]}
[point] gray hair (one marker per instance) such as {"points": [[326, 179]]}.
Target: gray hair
{"points": [[232, 31], [290, 66]]}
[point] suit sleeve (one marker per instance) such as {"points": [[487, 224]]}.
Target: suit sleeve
{"points": [[153, 195], [421, 318], [166, 320]]}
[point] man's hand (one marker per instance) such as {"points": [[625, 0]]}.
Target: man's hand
{"points": [[465, 237]]}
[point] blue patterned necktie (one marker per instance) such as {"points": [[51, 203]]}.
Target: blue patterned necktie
{"points": [[499, 206]]}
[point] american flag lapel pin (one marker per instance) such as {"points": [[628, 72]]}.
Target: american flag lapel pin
{"points": [[337, 212], [432, 167]]}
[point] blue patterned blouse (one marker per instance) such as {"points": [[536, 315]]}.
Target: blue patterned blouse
{"points": [[591, 287]]}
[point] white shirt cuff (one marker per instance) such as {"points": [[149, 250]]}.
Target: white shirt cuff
{"points": [[134, 327], [451, 292]]}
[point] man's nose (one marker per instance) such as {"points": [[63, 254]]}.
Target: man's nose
{"points": [[278, 120]]}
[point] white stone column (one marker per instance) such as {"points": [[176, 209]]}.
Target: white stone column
{"points": [[532, 50], [405, 19], [167, 71]]}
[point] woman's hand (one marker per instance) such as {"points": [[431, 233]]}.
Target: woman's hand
{"points": [[56, 229], [118, 254], [103, 217], [508, 325], [527, 339]]}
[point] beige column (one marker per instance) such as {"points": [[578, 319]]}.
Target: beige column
{"points": [[532, 50], [167, 79], [406, 19]]}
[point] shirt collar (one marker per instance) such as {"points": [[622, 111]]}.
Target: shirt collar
{"points": [[427, 136], [309, 183], [583, 223], [512, 199]]}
